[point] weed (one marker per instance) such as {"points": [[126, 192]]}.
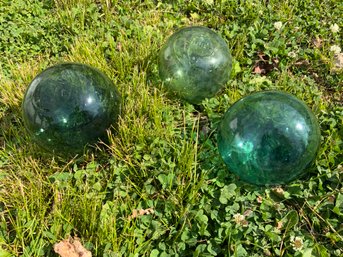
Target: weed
{"points": [[159, 186]]}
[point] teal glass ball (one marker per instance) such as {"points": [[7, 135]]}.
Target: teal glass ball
{"points": [[69, 106], [194, 63], [268, 138]]}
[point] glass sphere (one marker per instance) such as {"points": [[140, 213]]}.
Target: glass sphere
{"points": [[195, 63], [268, 138], [69, 106]]}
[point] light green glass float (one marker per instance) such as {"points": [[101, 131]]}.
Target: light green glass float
{"points": [[195, 63], [69, 106], [268, 138]]}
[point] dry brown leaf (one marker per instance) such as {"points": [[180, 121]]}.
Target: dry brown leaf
{"points": [[279, 225], [302, 63], [245, 223], [71, 247], [247, 212], [267, 252], [258, 70], [339, 61], [265, 64], [259, 199], [119, 47], [137, 213], [279, 190], [262, 56], [317, 42]]}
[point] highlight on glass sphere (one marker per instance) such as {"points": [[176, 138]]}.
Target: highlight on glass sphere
{"points": [[70, 106], [268, 138], [195, 63]]}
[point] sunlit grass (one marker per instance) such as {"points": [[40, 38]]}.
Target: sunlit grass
{"points": [[163, 154]]}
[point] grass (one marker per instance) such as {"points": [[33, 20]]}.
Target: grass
{"points": [[164, 154]]}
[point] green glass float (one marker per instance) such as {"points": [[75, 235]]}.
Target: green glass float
{"points": [[268, 138], [195, 63], [69, 106]]}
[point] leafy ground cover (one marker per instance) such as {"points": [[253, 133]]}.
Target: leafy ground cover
{"points": [[159, 188]]}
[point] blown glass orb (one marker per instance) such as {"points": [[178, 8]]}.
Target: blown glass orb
{"points": [[195, 63], [69, 106], [268, 138]]}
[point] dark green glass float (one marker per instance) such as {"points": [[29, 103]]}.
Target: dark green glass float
{"points": [[69, 106], [268, 138], [195, 63]]}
